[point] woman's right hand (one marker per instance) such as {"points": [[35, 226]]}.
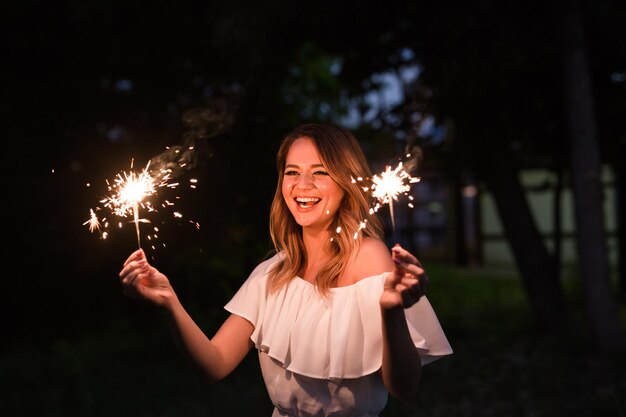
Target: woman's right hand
{"points": [[142, 281]]}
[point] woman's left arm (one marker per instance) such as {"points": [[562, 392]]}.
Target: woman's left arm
{"points": [[404, 286]]}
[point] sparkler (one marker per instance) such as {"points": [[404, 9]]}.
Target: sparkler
{"points": [[130, 191], [388, 185]]}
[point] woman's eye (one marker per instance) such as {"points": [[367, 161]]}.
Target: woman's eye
{"points": [[291, 172], [320, 173]]}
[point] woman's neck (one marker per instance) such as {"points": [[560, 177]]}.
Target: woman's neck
{"points": [[316, 244]]}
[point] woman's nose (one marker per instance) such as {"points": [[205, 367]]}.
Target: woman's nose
{"points": [[305, 181]]}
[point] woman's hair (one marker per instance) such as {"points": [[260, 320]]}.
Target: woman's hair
{"points": [[345, 162]]}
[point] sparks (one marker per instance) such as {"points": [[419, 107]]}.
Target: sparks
{"points": [[130, 191], [93, 222], [385, 188], [388, 185]]}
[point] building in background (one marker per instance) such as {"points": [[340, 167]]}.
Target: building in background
{"points": [[433, 229]]}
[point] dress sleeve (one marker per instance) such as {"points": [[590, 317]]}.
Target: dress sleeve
{"points": [[426, 331], [249, 301]]}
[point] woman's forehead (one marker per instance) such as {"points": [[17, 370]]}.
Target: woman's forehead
{"points": [[303, 152]]}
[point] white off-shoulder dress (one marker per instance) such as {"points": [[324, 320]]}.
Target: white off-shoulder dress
{"points": [[320, 355]]}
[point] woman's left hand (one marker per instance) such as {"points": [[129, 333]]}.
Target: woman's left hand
{"points": [[406, 284]]}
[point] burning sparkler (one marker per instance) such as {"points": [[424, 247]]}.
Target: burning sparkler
{"points": [[130, 191], [387, 187], [389, 184]]}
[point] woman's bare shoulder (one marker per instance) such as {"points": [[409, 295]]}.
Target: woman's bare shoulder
{"points": [[373, 258]]}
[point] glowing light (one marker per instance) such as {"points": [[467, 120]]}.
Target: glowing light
{"points": [[93, 222], [131, 191], [388, 185], [386, 188]]}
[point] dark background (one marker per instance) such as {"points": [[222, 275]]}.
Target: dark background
{"points": [[89, 87]]}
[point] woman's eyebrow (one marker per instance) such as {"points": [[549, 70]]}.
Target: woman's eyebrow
{"points": [[297, 166]]}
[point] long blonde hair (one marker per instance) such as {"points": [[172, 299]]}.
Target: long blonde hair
{"points": [[345, 162]]}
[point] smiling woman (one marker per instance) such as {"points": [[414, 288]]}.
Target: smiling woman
{"points": [[312, 196], [339, 320], [320, 162]]}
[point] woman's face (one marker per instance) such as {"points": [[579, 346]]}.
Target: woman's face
{"points": [[312, 196]]}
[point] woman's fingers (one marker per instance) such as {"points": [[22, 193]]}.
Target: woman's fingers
{"points": [[407, 282], [126, 271], [399, 253], [409, 268], [410, 291], [135, 256], [417, 285], [135, 270], [406, 260]]}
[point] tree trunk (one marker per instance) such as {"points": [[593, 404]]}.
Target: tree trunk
{"points": [[620, 189], [459, 242], [559, 159], [619, 172], [535, 263], [601, 306], [557, 229]]}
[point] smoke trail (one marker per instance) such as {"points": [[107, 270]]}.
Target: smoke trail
{"points": [[201, 125], [412, 158]]}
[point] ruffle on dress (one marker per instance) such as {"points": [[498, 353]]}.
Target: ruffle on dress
{"points": [[333, 337]]}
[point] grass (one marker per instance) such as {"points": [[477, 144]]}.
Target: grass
{"points": [[500, 366]]}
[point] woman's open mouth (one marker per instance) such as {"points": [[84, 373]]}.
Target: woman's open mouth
{"points": [[306, 202]]}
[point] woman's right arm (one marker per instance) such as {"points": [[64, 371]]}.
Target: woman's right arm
{"points": [[216, 357]]}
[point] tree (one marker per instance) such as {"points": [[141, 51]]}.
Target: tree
{"points": [[599, 299], [486, 70], [493, 75]]}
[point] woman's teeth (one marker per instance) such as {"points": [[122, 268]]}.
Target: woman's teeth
{"points": [[307, 201]]}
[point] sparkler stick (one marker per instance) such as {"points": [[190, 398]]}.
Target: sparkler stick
{"points": [[136, 216]]}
